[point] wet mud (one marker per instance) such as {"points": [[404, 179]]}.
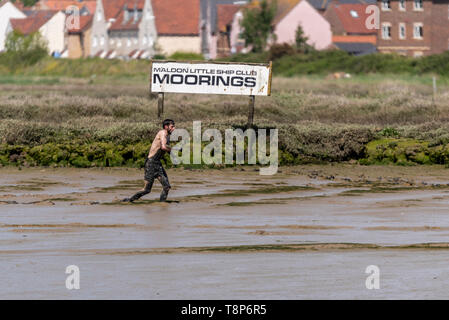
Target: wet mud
{"points": [[223, 231]]}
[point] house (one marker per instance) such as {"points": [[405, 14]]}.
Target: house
{"points": [[413, 27], [85, 7], [350, 31], [78, 38], [7, 11], [123, 28], [178, 26], [50, 24], [320, 5], [229, 17], [210, 34], [294, 13]]}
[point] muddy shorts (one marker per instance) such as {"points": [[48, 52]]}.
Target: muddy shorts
{"points": [[154, 170]]}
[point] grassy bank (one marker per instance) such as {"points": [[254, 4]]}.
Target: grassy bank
{"points": [[287, 65], [110, 121]]}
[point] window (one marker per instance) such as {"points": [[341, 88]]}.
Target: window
{"points": [[128, 42], [418, 5], [95, 41], [402, 5], [386, 5], [102, 41], [354, 14], [144, 40], [119, 43], [150, 41], [417, 54], [386, 31], [99, 15], [402, 31], [417, 31]]}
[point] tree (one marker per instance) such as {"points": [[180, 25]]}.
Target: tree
{"points": [[26, 3], [301, 41], [24, 49], [257, 25]]}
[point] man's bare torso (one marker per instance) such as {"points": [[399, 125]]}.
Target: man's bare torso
{"points": [[160, 140]]}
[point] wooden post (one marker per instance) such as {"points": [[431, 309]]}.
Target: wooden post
{"points": [[434, 82], [251, 111], [160, 104]]}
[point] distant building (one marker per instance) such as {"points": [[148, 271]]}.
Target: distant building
{"points": [[50, 24], [85, 7], [294, 13], [413, 27], [123, 28], [178, 26], [289, 16], [349, 30], [79, 39], [7, 11], [138, 29]]}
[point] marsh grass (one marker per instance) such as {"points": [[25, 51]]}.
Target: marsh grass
{"points": [[319, 119]]}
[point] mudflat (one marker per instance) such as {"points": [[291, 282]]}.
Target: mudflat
{"points": [[306, 232]]}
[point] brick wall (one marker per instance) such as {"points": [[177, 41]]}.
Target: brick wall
{"points": [[410, 45], [440, 27]]}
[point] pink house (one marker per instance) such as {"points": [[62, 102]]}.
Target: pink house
{"points": [[290, 14], [294, 13]]}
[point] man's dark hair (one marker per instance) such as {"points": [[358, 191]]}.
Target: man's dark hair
{"points": [[167, 122]]}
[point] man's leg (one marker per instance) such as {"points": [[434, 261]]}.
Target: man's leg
{"points": [[149, 179], [146, 190], [163, 179]]}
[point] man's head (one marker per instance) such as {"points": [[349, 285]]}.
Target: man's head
{"points": [[168, 125]]}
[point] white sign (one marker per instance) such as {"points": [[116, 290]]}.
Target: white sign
{"points": [[211, 78]]}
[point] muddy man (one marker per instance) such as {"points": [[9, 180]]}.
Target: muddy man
{"points": [[153, 165]]}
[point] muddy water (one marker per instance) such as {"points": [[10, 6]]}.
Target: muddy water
{"points": [[226, 233]]}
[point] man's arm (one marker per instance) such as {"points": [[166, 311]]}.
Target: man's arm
{"points": [[164, 145]]}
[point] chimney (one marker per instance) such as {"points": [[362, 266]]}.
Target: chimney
{"points": [[126, 13], [136, 16]]}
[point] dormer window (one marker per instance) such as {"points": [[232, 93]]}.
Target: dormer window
{"points": [[386, 5]]}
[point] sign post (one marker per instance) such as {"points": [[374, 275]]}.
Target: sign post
{"points": [[160, 104], [201, 77]]}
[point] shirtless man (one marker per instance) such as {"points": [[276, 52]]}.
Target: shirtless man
{"points": [[153, 165]]}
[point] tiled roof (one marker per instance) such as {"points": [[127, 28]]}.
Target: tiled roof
{"points": [[283, 8], [64, 4], [226, 13], [113, 8], [354, 39], [177, 17], [33, 22], [353, 17], [130, 24], [85, 22], [319, 4]]}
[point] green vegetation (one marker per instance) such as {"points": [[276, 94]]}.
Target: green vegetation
{"points": [[111, 121], [23, 51], [288, 61], [257, 25]]}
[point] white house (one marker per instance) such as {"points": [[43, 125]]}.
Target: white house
{"points": [[7, 11], [50, 24]]}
